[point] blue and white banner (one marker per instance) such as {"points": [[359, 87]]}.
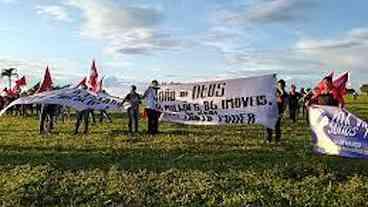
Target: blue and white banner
{"points": [[336, 131]]}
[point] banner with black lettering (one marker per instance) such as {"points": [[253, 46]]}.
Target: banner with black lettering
{"points": [[236, 101], [336, 131], [76, 98]]}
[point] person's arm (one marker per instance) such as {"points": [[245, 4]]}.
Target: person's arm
{"points": [[146, 93], [126, 98]]}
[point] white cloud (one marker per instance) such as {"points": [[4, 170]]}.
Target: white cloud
{"points": [[56, 12], [127, 29], [348, 52], [268, 11]]}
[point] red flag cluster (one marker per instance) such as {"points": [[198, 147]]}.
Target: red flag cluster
{"points": [[338, 86], [93, 83]]}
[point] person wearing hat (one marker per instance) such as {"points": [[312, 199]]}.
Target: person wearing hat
{"points": [[281, 98], [153, 114], [133, 99]]}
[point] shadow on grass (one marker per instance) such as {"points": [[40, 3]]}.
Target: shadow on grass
{"points": [[282, 160]]}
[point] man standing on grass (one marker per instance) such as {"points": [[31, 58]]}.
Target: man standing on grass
{"points": [[294, 98], [133, 99], [281, 97], [151, 109]]}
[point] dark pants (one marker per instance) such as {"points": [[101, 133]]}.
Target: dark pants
{"points": [[293, 113], [82, 116], [104, 114], [277, 131], [133, 115], [47, 116], [153, 117]]}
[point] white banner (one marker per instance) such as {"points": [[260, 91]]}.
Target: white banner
{"points": [[78, 99], [336, 131], [237, 101]]}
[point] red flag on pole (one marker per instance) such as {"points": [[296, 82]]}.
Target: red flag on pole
{"points": [[100, 85], [321, 86], [21, 82], [339, 90], [83, 82], [46, 84], [93, 77], [340, 82]]}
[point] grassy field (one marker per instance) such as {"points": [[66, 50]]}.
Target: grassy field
{"points": [[182, 166]]}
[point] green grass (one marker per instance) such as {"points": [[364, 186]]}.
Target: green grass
{"points": [[182, 166]]}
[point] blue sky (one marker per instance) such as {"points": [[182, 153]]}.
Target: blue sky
{"points": [[184, 40]]}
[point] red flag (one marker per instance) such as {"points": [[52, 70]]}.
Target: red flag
{"points": [[93, 77], [321, 85], [21, 82], [341, 81], [99, 87], [83, 82], [339, 90], [46, 84], [9, 92]]}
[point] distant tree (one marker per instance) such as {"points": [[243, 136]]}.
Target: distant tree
{"points": [[364, 88], [9, 73]]}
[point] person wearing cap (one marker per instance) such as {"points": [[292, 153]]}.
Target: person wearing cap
{"points": [[153, 114], [294, 98], [133, 99], [281, 98]]}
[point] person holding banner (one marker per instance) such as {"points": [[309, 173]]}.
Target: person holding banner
{"points": [[329, 95], [48, 112], [151, 109], [133, 99], [281, 97]]}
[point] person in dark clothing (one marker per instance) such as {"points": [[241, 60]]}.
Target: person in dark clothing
{"points": [[82, 116], [47, 115], [294, 98], [151, 109], [103, 115], [281, 97], [133, 99], [303, 94]]}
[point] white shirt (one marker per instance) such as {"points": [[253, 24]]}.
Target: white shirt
{"points": [[151, 98]]}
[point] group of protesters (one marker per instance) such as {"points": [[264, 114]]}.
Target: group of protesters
{"points": [[293, 101], [324, 94]]}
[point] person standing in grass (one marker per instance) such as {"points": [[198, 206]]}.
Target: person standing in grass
{"points": [[294, 98], [83, 116], [151, 109], [281, 98], [133, 99]]}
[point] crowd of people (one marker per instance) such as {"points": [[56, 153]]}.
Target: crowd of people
{"points": [[294, 102], [298, 102], [50, 114]]}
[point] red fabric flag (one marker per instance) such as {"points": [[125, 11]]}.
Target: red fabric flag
{"points": [[100, 85], [83, 82], [46, 84], [18, 84], [339, 90], [21, 82], [340, 82], [93, 77], [321, 85]]}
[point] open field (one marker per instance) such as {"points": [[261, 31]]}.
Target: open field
{"points": [[183, 166]]}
